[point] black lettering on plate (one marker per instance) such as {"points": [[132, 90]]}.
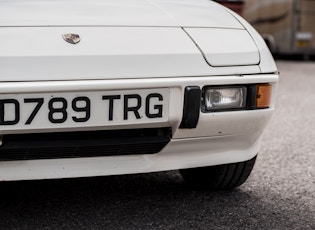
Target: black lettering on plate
{"points": [[134, 109], [111, 105], [39, 102], [16, 111], [53, 110], [158, 108], [86, 109]]}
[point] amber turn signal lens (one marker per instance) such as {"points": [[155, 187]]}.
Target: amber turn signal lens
{"points": [[263, 96]]}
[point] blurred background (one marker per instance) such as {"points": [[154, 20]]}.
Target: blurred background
{"points": [[287, 26]]}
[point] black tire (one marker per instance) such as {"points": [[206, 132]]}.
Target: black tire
{"points": [[220, 177]]}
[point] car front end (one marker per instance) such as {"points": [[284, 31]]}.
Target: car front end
{"points": [[136, 88]]}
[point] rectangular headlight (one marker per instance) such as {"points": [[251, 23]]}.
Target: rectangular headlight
{"points": [[225, 98]]}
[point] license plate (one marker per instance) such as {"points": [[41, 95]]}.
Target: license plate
{"points": [[83, 109]]}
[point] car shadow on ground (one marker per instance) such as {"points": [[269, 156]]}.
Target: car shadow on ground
{"points": [[144, 201]]}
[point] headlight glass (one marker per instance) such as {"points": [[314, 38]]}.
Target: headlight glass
{"points": [[225, 98]]}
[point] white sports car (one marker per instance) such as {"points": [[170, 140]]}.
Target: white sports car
{"points": [[107, 87]]}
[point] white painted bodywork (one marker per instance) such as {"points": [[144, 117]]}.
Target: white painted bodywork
{"points": [[240, 49], [139, 52], [157, 13], [135, 45]]}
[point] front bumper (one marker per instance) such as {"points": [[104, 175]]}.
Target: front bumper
{"points": [[218, 138], [179, 153]]}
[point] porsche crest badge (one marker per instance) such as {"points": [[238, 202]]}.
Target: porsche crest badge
{"points": [[71, 38]]}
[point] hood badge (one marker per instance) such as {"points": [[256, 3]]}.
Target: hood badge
{"points": [[71, 38]]}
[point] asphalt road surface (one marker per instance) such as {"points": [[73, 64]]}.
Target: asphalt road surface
{"points": [[280, 194]]}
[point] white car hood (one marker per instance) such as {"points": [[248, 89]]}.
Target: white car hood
{"points": [[175, 13], [123, 39], [41, 53]]}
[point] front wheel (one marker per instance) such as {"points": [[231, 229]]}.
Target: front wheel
{"points": [[219, 177]]}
